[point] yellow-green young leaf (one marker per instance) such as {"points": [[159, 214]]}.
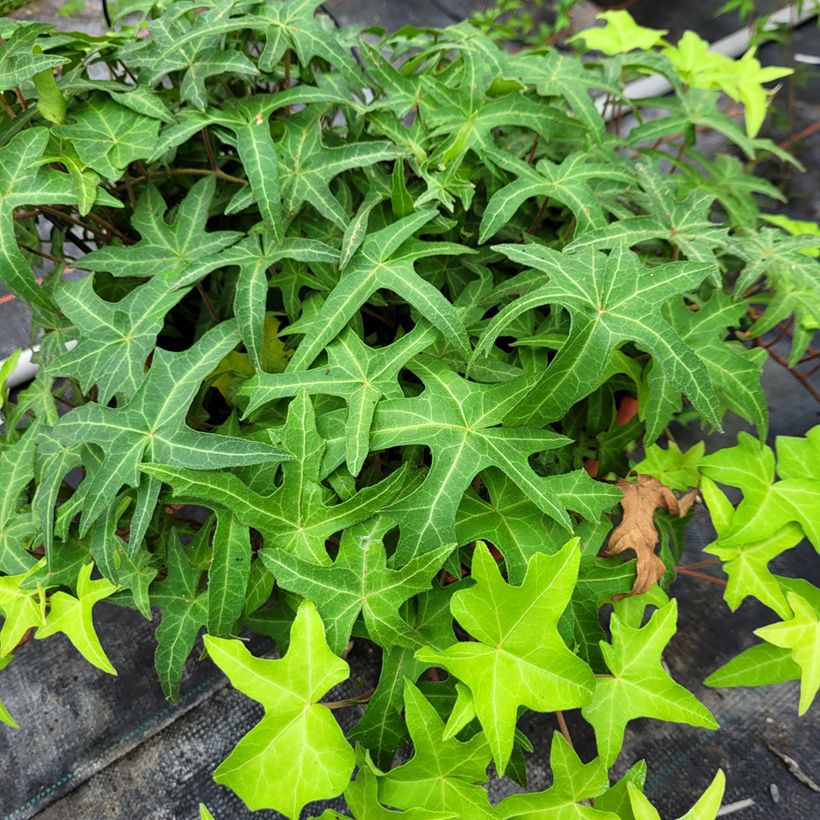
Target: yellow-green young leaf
{"points": [[50, 101], [672, 467], [573, 781], [759, 665], [204, 813], [441, 775], [22, 608], [72, 617], [801, 635], [518, 657], [706, 808], [620, 34], [639, 686], [297, 753], [5, 715], [767, 505]]}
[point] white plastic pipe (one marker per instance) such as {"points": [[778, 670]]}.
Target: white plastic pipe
{"points": [[731, 46]]}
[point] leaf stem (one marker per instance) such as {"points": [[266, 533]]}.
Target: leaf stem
{"points": [[564, 729], [702, 576]]}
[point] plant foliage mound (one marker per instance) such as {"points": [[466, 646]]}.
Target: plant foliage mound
{"points": [[346, 340]]}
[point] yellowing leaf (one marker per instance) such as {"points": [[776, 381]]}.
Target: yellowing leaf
{"points": [[620, 34]]}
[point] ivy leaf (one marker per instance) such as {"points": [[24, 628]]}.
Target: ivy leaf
{"points": [[17, 525], [385, 260], [72, 616], [294, 25], [747, 562], [684, 223], [620, 34], [791, 279], [611, 299], [706, 808], [567, 183], [518, 658], [442, 775], [359, 581], [190, 44], [638, 685], [672, 467], [297, 733], [184, 612], [22, 609], [308, 166], [18, 60], [382, 728], [254, 255], [767, 505], [180, 248], [115, 338], [733, 369], [357, 373], [459, 421], [25, 179], [800, 634], [573, 781], [295, 516], [151, 427], [759, 665], [510, 521], [108, 136]]}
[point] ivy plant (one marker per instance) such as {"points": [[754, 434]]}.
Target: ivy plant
{"points": [[350, 338]]}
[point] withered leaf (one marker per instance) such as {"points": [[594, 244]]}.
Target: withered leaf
{"points": [[637, 528]]}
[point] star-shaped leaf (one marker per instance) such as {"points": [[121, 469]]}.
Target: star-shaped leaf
{"points": [[639, 686], [672, 467], [17, 525], [441, 774], [184, 612], [385, 260], [115, 338], [567, 183], [706, 808], [108, 136], [359, 581], [191, 44], [620, 34], [573, 781], [684, 223], [747, 562], [518, 658], [297, 753], [72, 616], [26, 179], [308, 166], [767, 505], [611, 299], [181, 249], [151, 427], [800, 634], [22, 609], [460, 422], [382, 728], [295, 25], [295, 516], [19, 61], [357, 373]]}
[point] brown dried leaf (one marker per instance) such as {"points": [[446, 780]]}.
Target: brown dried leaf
{"points": [[637, 528]]}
